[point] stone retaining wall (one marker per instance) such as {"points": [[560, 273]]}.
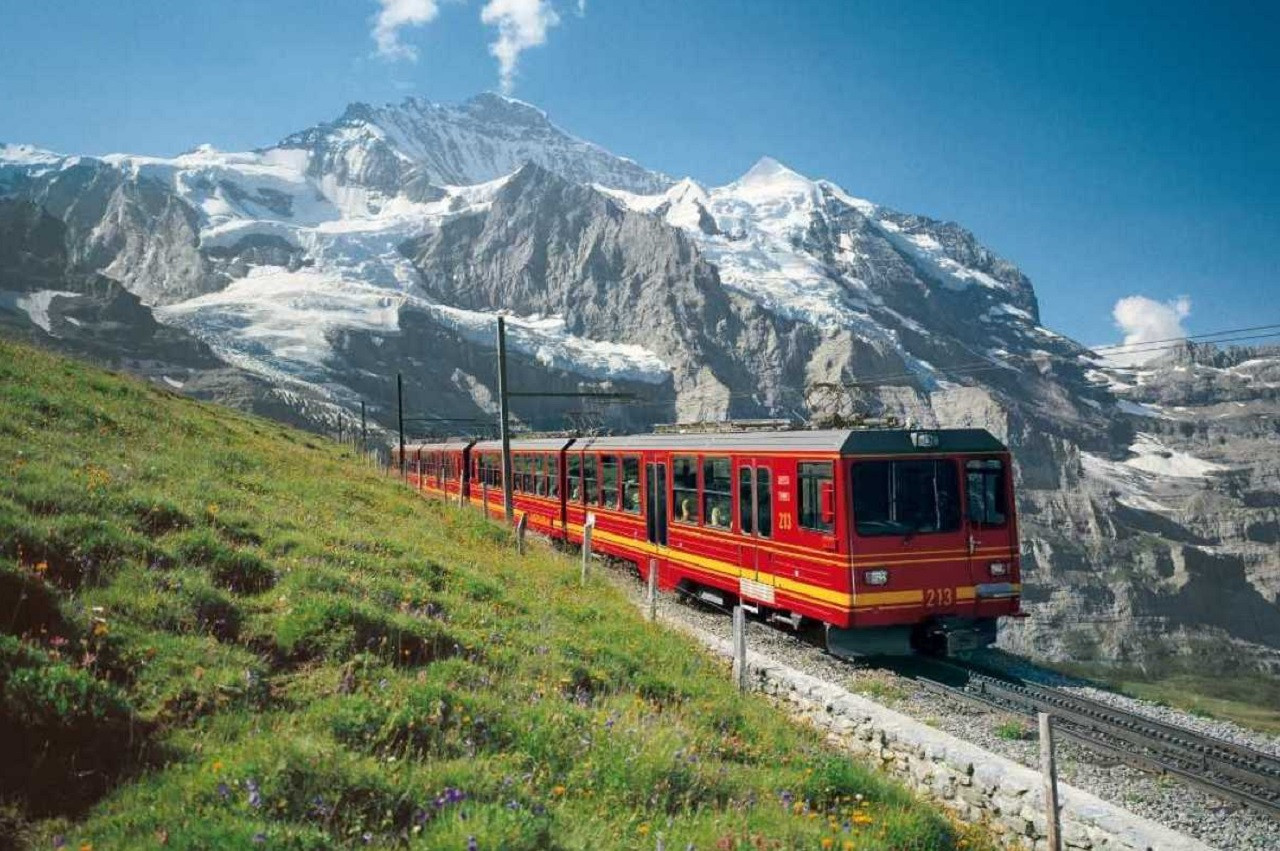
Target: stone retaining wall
{"points": [[974, 784]]}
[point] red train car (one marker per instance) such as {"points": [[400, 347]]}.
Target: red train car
{"points": [[893, 539]]}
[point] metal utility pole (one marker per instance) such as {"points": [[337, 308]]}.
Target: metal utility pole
{"points": [[507, 505], [339, 428], [400, 418], [364, 429]]}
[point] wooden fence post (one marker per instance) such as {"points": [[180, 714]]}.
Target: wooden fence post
{"points": [[740, 647], [586, 546], [653, 589], [1050, 772], [521, 524]]}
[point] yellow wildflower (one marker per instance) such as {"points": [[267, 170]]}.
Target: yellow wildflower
{"points": [[557, 791]]}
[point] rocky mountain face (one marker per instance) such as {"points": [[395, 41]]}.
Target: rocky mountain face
{"points": [[299, 279]]}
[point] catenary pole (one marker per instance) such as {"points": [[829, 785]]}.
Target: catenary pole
{"points": [[507, 507], [400, 418], [364, 429]]}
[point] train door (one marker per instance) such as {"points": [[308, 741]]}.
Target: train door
{"points": [[755, 519], [990, 532], [656, 502]]}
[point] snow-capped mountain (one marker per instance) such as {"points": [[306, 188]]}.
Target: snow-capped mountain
{"points": [[298, 279], [417, 145]]}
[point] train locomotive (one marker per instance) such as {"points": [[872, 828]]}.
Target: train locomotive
{"points": [[893, 540]]}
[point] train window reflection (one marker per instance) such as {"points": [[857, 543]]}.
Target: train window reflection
{"points": [[764, 503], [905, 497], [589, 479], [813, 476], [684, 487], [573, 471], [745, 509], [609, 481], [631, 484], [716, 487], [984, 485]]}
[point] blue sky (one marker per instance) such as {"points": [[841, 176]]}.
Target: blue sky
{"points": [[1110, 149]]}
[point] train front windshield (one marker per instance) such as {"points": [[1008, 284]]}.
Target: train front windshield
{"points": [[905, 497]]}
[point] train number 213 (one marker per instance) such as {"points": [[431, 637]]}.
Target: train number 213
{"points": [[938, 597]]}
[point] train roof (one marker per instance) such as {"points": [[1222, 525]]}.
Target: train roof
{"points": [[434, 447], [551, 443], [837, 441]]}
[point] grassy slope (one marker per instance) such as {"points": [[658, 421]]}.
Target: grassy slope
{"points": [[219, 632]]}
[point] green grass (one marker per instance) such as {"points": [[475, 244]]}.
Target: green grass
{"points": [[219, 632], [1248, 698], [1251, 701], [1014, 730]]}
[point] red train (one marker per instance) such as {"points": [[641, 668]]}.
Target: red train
{"points": [[893, 539]]}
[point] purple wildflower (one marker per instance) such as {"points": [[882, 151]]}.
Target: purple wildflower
{"points": [[259, 838], [255, 796], [367, 837], [472, 844], [787, 798], [59, 841], [224, 791]]}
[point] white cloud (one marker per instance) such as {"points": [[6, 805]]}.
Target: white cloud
{"points": [[582, 8], [1144, 320], [392, 17], [521, 24]]}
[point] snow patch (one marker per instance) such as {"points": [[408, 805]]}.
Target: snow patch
{"points": [[1152, 456], [1138, 409], [34, 304]]}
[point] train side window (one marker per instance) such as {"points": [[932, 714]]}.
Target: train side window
{"points": [[609, 481], [684, 488], [717, 497], [553, 476], [745, 510], [764, 503], [540, 474], [813, 476], [573, 472], [984, 485], [590, 479], [631, 484]]}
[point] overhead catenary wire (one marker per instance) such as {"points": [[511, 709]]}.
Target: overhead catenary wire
{"points": [[988, 365], [1186, 338]]}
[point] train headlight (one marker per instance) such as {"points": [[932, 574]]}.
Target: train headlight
{"points": [[924, 439], [998, 568], [879, 576]]}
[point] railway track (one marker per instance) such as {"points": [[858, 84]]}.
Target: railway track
{"points": [[1227, 770]]}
